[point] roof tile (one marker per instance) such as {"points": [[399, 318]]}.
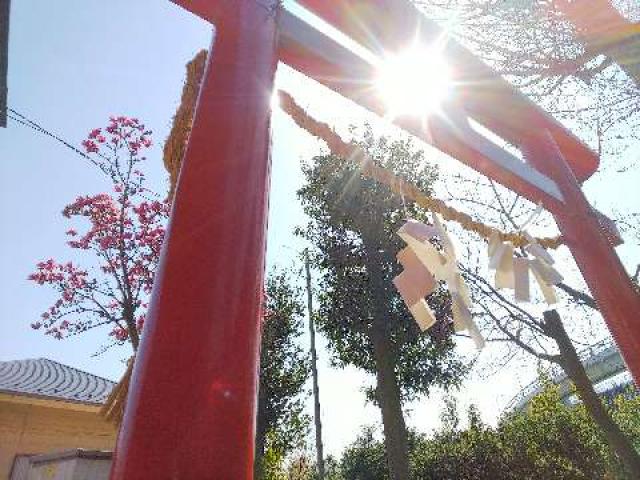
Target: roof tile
{"points": [[41, 377]]}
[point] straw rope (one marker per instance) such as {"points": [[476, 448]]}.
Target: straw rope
{"points": [[176, 142], [113, 408], [405, 189]]}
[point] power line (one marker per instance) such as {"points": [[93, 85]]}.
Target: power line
{"points": [[314, 371], [27, 122], [32, 124], [5, 7]]}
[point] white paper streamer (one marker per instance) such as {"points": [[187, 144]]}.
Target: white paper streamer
{"points": [[504, 272], [461, 314], [521, 279], [549, 274], [548, 292], [513, 271], [494, 243], [415, 282], [423, 315], [442, 266], [498, 252], [534, 249]]}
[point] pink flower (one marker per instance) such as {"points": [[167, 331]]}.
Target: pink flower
{"points": [[120, 333], [135, 224], [90, 146]]}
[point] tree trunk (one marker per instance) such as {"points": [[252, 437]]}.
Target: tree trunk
{"points": [[130, 320], [387, 388], [574, 369], [388, 395]]}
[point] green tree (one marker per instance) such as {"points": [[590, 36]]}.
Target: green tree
{"points": [[549, 440], [552, 439], [532, 334], [365, 459], [353, 224], [449, 418], [281, 423]]}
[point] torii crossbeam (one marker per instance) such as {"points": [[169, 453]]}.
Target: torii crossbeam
{"points": [[191, 408]]}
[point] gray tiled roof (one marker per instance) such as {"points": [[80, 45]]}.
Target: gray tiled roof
{"points": [[41, 377]]}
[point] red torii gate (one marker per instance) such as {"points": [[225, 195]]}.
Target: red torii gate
{"points": [[602, 29], [191, 408]]}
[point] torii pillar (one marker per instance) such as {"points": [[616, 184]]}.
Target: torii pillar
{"points": [[191, 409]]}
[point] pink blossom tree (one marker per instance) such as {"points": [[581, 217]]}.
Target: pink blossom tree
{"points": [[124, 233]]}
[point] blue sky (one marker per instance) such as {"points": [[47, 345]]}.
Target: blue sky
{"points": [[72, 64]]}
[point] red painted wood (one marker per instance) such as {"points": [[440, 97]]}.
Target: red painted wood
{"points": [[191, 409], [208, 10], [601, 268], [390, 25], [598, 22]]}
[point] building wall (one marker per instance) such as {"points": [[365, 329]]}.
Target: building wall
{"points": [[45, 426]]}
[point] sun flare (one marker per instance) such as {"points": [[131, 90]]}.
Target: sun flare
{"points": [[414, 82]]}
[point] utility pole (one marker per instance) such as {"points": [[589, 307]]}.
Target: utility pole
{"points": [[5, 7], [314, 372]]}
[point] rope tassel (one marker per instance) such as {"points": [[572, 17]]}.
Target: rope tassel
{"points": [[113, 408]]}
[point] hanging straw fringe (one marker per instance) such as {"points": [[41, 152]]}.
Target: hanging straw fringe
{"points": [[176, 142], [113, 408]]}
